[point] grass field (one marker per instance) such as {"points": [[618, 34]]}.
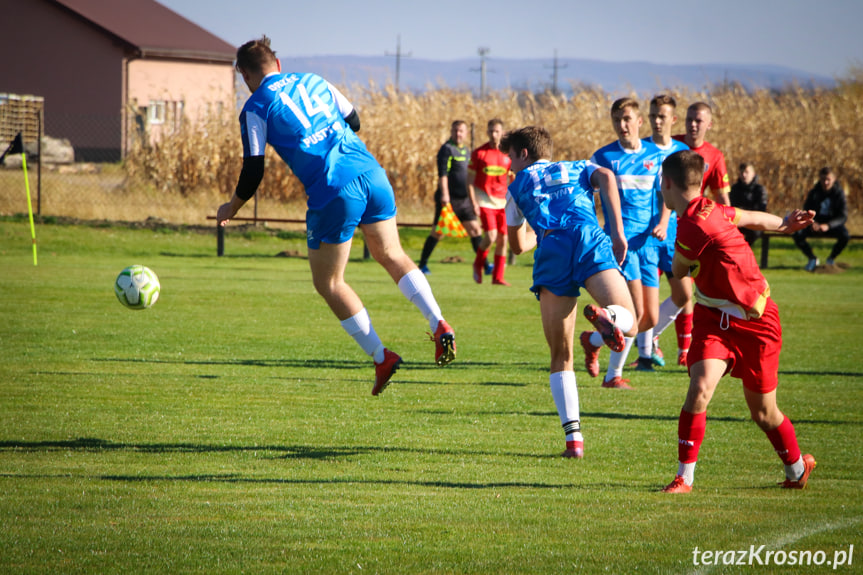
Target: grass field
{"points": [[230, 429]]}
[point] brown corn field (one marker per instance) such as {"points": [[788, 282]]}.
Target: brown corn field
{"points": [[789, 135]]}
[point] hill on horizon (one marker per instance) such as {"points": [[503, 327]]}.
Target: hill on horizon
{"points": [[536, 75]]}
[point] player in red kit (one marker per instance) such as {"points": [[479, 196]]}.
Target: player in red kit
{"points": [[699, 120], [734, 315], [488, 176]]}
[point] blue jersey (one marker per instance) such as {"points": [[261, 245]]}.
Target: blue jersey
{"points": [[674, 146], [637, 175], [552, 196], [302, 117]]}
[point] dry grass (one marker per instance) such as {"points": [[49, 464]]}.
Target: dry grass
{"points": [[789, 135]]}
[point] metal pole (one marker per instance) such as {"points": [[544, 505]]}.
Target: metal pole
{"points": [[39, 169]]}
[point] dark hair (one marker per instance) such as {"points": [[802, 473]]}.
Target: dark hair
{"points": [[826, 170], [663, 100], [255, 54], [744, 165], [495, 122], [535, 139], [685, 169]]}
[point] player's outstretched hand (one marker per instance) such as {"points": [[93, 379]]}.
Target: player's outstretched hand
{"points": [[796, 220]]}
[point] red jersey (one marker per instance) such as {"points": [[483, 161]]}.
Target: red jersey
{"points": [[722, 264], [491, 167], [715, 172]]}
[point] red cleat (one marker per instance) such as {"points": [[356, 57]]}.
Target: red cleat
{"points": [[591, 354], [809, 464], [385, 370], [611, 334], [616, 382], [477, 270], [576, 451], [677, 486], [444, 340], [500, 283]]}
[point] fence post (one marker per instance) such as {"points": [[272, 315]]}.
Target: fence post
{"points": [[765, 250], [220, 240]]}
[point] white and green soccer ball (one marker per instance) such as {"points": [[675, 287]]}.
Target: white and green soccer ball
{"points": [[137, 287]]}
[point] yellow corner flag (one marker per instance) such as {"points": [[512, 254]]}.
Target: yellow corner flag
{"points": [[29, 206], [448, 224]]}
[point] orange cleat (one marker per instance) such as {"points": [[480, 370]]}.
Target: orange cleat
{"points": [[809, 464], [385, 370], [611, 334], [444, 339], [591, 354], [616, 382], [677, 486]]}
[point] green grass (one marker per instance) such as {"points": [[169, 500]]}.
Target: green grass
{"points": [[230, 428]]}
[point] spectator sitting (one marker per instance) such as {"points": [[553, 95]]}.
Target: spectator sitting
{"points": [[747, 193], [827, 199]]}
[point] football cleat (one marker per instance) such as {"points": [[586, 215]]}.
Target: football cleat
{"points": [[644, 364], [500, 283], [809, 464], [681, 357], [616, 382], [574, 452], [611, 334], [477, 270], [677, 486], [385, 370], [489, 267], [444, 340], [591, 354], [425, 269], [811, 265]]}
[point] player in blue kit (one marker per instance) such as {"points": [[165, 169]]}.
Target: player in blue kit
{"points": [[662, 117], [635, 164], [312, 126], [572, 252]]}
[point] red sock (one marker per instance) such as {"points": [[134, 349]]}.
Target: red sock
{"points": [[499, 267], [784, 441], [690, 435], [481, 256], [683, 327]]}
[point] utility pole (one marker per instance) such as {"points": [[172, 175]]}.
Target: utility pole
{"points": [[399, 57], [556, 67], [482, 51]]}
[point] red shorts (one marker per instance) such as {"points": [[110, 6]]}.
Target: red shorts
{"points": [[493, 220], [751, 346]]}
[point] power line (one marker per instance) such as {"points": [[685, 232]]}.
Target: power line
{"points": [[399, 55]]}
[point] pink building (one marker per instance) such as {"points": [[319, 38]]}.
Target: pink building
{"points": [[112, 69]]}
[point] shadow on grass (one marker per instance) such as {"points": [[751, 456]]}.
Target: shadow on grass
{"points": [[322, 363], [89, 444]]}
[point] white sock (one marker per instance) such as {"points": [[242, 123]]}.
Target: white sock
{"points": [[668, 311], [565, 394], [645, 343], [622, 318], [617, 359], [687, 472], [360, 328], [415, 287], [795, 470]]}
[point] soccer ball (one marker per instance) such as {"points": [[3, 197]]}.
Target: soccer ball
{"points": [[137, 287]]}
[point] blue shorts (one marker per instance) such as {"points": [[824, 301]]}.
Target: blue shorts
{"points": [[366, 200], [642, 264], [565, 259], [666, 253]]}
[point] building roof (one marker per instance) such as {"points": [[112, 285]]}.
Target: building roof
{"points": [[152, 29]]}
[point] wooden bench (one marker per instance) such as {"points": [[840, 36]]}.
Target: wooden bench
{"points": [[765, 244]]}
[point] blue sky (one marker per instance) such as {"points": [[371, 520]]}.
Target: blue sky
{"points": [[820, 37]]}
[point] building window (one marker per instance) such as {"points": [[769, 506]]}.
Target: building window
{"points": [[156, 112]]}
